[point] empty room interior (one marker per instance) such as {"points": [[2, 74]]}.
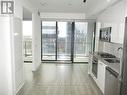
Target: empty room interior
{"points": [[63, 47]]}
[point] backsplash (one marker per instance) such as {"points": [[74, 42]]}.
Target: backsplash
{"points": [[111, 48]]}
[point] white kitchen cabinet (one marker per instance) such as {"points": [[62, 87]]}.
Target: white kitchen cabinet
{"points": [[117, 31], [101, 75]]}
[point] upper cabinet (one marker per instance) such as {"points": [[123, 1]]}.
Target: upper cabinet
{"points": [[114, 17], [117, 31]]}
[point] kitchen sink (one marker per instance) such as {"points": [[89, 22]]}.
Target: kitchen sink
{"points": [[112, 60], [109, 57]]}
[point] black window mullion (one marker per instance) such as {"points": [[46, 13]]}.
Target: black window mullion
{"points": [[72, 41], [56, 39], [41, 41]]}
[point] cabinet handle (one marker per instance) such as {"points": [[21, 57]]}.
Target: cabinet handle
{"points": [[112, 72]]}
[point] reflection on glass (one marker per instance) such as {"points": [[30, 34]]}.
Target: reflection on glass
{"points": [[64, 41], [80, 43], [48, 40]]}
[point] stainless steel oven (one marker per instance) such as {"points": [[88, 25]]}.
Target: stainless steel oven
{"points": [[94, 66]]}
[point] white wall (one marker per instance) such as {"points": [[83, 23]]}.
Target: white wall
{"points": [[36, 34], [125, 1], [18, 53], [19, 4], [63, 16], [98, 26], [6, 75], [11, 69], [27, 28]]}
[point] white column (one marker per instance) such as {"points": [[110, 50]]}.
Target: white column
{"points": [[36, 41]]}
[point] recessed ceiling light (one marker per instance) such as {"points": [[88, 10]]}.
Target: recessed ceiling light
{"points": [[69, 4], [43, 3], [108, 0]]}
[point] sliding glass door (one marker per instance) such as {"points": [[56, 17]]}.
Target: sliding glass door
{"points": [[56, 40], [49, 40], [64, 41], [80, 42]]}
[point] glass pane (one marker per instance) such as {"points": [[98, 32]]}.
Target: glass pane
{"points": [[81, 47], [64, 41], [48, 40]]}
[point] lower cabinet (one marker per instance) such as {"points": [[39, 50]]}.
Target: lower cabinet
{"points": [[101, 76], [111, 83], [105, 80]]}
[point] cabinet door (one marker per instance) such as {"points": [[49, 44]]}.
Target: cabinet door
{"points": [[101, 76], [117, 32], [111, 86]]}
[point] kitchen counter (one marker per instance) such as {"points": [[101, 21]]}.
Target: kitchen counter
{"points": [[114, 66]]}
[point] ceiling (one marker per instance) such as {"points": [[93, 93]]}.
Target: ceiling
{"points": [[27, 15], [91, 7]]}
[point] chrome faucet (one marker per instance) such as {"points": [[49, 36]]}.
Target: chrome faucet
{"points": [[119, 48]]}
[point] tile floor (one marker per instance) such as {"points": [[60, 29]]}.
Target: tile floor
{"points": [[59, 79]]}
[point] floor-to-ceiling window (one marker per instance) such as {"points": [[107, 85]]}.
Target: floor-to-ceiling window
{"points": [[56, 40], [80, 42], [65, 41], [49, 40]]}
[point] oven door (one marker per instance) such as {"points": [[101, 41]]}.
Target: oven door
{"points": [[94, 67]]}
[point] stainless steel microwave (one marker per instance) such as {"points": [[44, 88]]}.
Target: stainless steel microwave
{"points": [[105, 34]]}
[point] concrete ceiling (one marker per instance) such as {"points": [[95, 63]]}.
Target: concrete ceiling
{"points": [[91, 7], [27, 15]]}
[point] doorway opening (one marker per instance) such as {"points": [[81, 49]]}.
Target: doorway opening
{"points": [[27, 36]]}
